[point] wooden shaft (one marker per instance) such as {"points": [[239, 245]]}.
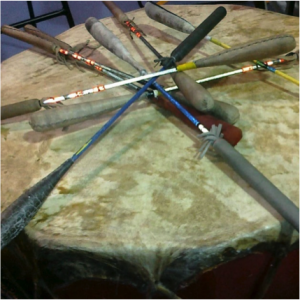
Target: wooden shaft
{"points": [[37, 32], [20, 108], [28, 38], [117, 12]]}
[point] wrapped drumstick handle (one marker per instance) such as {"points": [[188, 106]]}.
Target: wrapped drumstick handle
{"points": [[258, 181], [106, 38], [166, 17], [20, 108]]}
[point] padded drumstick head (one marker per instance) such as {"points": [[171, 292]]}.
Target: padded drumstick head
{"points": [[163, 16], [258, 49], [106, 38], [202, 100], [67, 115]]}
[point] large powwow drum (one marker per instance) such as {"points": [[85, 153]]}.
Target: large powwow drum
{"points": [[140, 211]]}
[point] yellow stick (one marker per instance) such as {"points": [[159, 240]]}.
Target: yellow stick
{"points": [[279, 73]]}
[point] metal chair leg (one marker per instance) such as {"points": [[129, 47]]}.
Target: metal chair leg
{"points": [[66, 7], [31, 12], [290, 5]]}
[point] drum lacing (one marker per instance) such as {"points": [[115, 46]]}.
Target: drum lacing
{"points": [[167, 292]]}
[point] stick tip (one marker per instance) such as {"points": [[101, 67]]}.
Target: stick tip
{"points": [[90, 22]]}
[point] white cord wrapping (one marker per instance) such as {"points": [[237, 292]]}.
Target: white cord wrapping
{"points": [[209, 138]]}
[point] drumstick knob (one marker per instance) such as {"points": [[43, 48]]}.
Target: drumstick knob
{"points": [[202, 100], [258, 49]]}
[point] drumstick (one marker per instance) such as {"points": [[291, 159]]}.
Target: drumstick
{"points": [[35, 36], [161, 15], [111, 42], [242, 166], [282, 43], [249, 173], [286, 60], [72, 114], [199, 97], [280, 202], [17, 215]]}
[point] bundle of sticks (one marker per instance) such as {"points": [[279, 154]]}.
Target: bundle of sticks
{"points": [[188, 100]]}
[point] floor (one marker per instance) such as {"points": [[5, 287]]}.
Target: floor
{"points": [[16, 11]]}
